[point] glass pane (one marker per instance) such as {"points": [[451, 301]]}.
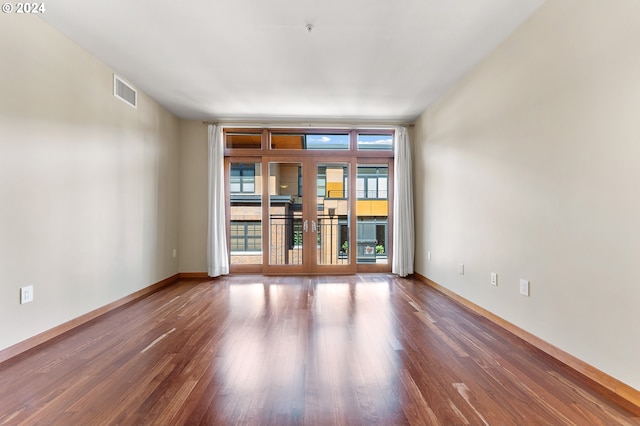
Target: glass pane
{"points": [[243, 178], [360, 188], [375, 142], [245, 229], [372, 187], [244, 140], [285, 214], [287, 141], [333, 215], [372, 211], [327, 141], [310, 141], [382, 188]]}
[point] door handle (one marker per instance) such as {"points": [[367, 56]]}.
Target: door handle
{"points": [[313, 226], [306, 226]]}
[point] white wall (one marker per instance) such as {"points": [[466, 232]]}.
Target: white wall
{"points": [[529, 168], [88, 185], [194, 178]]}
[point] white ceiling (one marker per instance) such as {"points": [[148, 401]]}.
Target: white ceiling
{"points": [[365, 60]]}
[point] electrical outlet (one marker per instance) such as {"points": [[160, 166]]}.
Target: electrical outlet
{"points": [[494, 278], [524, 287], [429, 255], [26, 294], [174, 253], [461, 268]]}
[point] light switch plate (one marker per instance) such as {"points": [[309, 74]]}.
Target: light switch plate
{"points": [[26, 294]]}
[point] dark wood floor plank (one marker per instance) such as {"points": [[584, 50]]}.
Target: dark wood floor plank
{"points": [[368, 349]]}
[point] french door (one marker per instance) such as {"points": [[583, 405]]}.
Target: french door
{"points": [[308, 226]]}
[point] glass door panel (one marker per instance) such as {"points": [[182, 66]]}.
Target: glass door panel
{"points": [[372, 214], [275, 229], [245, 207], [332, 207], [286, 228]]}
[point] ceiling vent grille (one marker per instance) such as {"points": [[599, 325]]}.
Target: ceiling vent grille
{"points": [[124, 91]]}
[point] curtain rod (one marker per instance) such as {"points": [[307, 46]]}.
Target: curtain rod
{"points": [[306, 124]]}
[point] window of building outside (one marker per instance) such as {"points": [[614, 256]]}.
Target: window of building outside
{"points": [[242, 179], [246, 236]]}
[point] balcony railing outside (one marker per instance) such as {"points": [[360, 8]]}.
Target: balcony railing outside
{"points": [[285, 243]]}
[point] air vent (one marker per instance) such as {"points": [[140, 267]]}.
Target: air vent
{"points": [[124, 92]]}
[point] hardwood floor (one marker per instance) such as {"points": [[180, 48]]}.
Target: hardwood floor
{"points": [[350, 350]]}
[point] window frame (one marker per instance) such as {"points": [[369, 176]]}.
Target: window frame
{"points": [[353, 155], [266, 150]]}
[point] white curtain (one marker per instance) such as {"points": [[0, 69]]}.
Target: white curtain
{"points": [[403, 230], [217, 255]]}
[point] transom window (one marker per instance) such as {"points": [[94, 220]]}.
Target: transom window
{"points": [[310, 141], [372, 142]]}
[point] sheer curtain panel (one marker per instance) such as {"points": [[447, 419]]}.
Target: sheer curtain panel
{"points": [[403, 230], [217, 255]]}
